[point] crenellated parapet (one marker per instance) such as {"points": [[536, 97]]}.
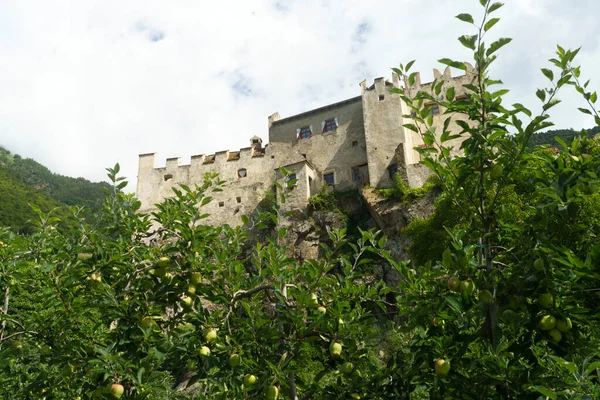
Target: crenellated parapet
{"points": [[446, 76]]}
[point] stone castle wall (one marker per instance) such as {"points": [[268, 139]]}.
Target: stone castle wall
{"points": [[362, 149]]}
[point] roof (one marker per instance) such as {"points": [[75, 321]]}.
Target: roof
{"points": [[316, 110]]}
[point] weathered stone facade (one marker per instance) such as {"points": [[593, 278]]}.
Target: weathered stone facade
{"points": [[347, 145]]}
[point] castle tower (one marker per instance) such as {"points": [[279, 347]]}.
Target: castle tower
{"points": [[382, 114]]}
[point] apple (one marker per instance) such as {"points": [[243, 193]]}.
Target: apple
{"points": [[548, 322], [84, 256], [163, 262], [46, 349], [117, 390], [467, 287], [68, 370], [190, 364], [453, 283], [210, 335], [335, 349], [196, 278], [355, 395], [322, 310], [555, 335], [272, 393], [485, 296], [95, 277], [347, 367], [564, 325], [442, 367], [146, 322], [538, 264], [341, 323], [250, 380], [314, 300], [191, 289], [497, 171], [186, 303], [235, 360], [204, 351], [546, 300]]}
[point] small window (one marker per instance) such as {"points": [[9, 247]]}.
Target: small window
{"points": [[413, 114], [168, 177], [238, 199], [255, 141], [242, 173], [329, 126], [329, 178], [393, 170], [221, 204], [355, 143], [355, 174], [435, 109], [290, 178], [305, 133], [381, 97]]}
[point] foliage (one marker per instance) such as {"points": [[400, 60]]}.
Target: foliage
{"points": [[407, 195], [131, 298], [566, 135]]}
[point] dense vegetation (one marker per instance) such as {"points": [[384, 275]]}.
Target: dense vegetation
{"points": [[506, 307], [25, 181], [566, 135]]}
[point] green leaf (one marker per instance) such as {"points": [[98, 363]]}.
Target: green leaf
{"points": [[411, 127], [585, 111], [410, 64], [549, 74], [450, 93], [466, 18], [452, 63], [593, 366], [541, 94], [497, 45], [593, 97], [546, 392], [490, 23], [494, 7], [550, 104], [455, 303], [468, 41], [412, 78]]}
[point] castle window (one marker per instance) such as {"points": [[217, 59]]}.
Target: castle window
{"points": [[242, 173], [221, 204], [238, 199], [289, 179], [329, 178], [381, 97], [355, 143], [393, 170], [355, 174], [168, 177], [435, 108], [413, 114], [305, 133], [329, 126]]}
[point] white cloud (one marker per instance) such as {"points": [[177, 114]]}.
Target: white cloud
{"points": [[89, 83]]}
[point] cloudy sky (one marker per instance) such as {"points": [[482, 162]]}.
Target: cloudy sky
{"points": [[88, 83]]}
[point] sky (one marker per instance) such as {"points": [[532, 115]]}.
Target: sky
{"points": [[85, 84]]}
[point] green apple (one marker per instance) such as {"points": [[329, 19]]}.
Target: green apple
{"points": [[68, 370], [314, 300], [322, 310], [235, 360], [485, 296], [467, 287], [564, 325], [355, 395], [250, 380], [555, 335], [548, 322], [46, 349], [538, 264], [117, 390], [191, 289], [497, 171], [196, 278], [347, 367], [442, 367], [210, 335], [164, 262], [160, 272], [204, 351], [190, 364], [546, 300], [335, 349], [453, 283], [341, 323], [272, 393], [186, 303], [146, 322]]}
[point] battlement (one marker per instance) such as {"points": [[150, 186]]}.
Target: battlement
{"points": [[467, 77]]}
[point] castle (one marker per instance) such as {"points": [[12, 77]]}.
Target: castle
{"points": [[346, 145]]}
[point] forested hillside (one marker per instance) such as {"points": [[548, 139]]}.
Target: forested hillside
{"points": [[24, 181], [567, 135]]}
